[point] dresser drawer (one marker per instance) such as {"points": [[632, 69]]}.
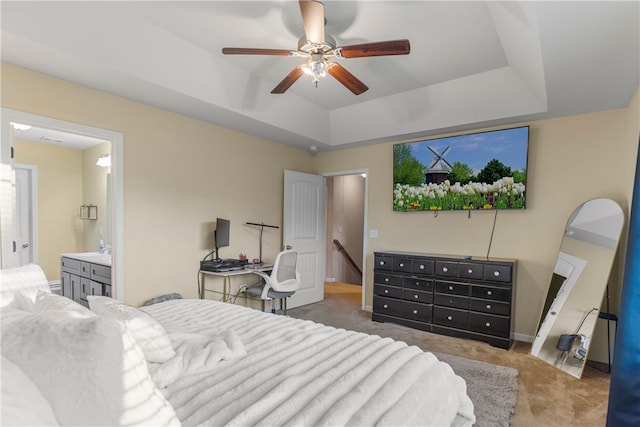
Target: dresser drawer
{"points": [[422, 266], [101, 273], [85, 269], [402, 264], [446, 268], [419, 284], [497, 273], [492, 293], [470, 270], [452, 288], [387, 291], [419, 312], [489, 306], [72, 266], [387, 279], [489, 324], [455, 301], [383, 262], [450, 317], [417, 296], [388, 306]]}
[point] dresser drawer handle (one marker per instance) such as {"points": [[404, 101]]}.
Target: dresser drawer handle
{"points": [[382, 263], [469, 271], [386, 291], [386, 279], [496, 273], [385, 306], [450, 287], [489, 293], [489, 306], [422, 267], [415, 311], [449, 317], [401, 264], [416, 296], [445, 269], [488, 325]]}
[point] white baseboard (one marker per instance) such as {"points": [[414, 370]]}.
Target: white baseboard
{"points": [[368, 308], [523, 337], [330, 279]]}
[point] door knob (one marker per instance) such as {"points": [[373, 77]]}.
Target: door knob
{"points": [[25, 245], [288, 247]]}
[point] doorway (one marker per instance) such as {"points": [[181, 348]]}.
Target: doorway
{"points": [[346, 238], [9, 257]]}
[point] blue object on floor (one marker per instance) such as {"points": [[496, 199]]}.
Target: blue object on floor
{"points": [[624, 393]]}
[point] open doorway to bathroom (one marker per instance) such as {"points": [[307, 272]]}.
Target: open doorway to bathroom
{"points": [[345, 237]]}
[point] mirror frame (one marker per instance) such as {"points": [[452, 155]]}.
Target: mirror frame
{"points": [[579, 280]]}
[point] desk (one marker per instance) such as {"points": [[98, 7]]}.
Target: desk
{"points": [[226, 278]]}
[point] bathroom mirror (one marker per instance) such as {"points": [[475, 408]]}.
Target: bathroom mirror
{"points": [[578, 284]]}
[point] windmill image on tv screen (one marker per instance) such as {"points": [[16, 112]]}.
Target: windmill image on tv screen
{"points": [[483, 170]]}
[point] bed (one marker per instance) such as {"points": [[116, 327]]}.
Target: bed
{"points": [[201, 362]]}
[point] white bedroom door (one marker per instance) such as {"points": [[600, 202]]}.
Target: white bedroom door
{"points": [[26, 214], [304, 225]]}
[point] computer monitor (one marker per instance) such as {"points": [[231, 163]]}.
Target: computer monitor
{"points": [[221, 235]]}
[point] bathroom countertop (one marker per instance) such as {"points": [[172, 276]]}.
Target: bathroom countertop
{"points": [[92, 257]]}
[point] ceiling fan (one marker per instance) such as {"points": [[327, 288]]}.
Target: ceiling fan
{"points": [[319, 49]]}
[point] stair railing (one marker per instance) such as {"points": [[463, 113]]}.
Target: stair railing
{"points": [[344, 252]]}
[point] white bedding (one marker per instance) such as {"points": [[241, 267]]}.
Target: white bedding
{"points": [[262, 369]]}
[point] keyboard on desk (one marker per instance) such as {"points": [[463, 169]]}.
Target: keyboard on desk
{"points": [[223, 265]]}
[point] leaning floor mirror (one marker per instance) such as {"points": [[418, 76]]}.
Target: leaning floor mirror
{"points": [[578, 285]]}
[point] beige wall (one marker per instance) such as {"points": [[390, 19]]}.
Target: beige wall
{"points": [[59, 198], [179, 175], [94, 191], [571, 160]]}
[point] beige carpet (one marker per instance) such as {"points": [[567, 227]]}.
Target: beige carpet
{"points": [[546, 396]]}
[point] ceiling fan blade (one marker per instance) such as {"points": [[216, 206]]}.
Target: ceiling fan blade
{"points": [[391, 47], [255, 51], [288, 81], [313, 20], [349, 81]]}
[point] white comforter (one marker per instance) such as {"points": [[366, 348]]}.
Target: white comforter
{"points": [[263, 369]]}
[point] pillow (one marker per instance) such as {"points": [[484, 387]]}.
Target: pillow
{"points": [[147, 331], [48, 301], [22, 402], [89, 369], [24, 281]]}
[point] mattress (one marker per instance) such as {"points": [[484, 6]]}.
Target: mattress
{"points": [[239, 366]]}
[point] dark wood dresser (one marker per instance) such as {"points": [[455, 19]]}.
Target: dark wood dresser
{"points": [[456, 296]]}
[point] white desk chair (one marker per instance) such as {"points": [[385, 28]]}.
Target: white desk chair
{"points": [[283, 281]]}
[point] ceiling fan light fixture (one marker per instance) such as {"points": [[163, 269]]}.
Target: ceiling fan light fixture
{"points": [[316, 68], [320, 48]]}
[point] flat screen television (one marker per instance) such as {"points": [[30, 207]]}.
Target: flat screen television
{"points": [[221, 235], [482, 170]]}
